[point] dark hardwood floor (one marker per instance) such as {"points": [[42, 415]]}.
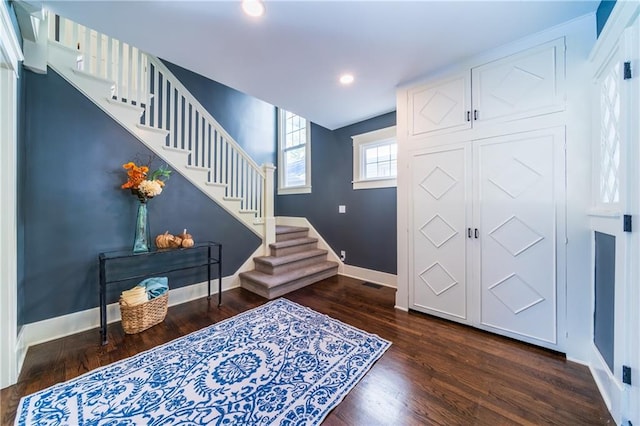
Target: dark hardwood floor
{"points": [[435, 373]]}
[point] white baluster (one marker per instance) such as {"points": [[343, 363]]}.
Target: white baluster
{"points": [[198, 139], [171, 120], [201, 162], [223, 163], [192, 130], [85, 47], [144, 90], [130, 76], [218, 157], [248, 185], [209, 151], [119, 80], [109, 60], [139, 73], [156, 97], [180, 120]]}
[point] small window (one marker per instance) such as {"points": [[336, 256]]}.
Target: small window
{"points": [[294, 148], [375, 159]]}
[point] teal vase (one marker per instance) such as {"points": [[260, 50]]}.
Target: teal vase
{"points": [[141, 242]]}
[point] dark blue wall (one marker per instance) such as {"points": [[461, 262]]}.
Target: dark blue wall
{"points": [[251, 122], [72, 206], [367, 231], [602, 14]]}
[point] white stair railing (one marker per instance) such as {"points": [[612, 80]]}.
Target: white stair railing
{"points": [[143, 80]]}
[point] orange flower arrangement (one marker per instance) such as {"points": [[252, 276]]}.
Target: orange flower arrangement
{"points": [[143, 185]]}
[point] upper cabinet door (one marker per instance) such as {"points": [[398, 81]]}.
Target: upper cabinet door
{"points": [[442, 105], [523, 85]]}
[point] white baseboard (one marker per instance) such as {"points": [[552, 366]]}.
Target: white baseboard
{"points": [[376, 277], [66, 325], [610, 388], [21, 350]]}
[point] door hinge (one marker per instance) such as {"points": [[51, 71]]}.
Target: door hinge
{"points": [[627, 71], [626, 374], [626, 226]]}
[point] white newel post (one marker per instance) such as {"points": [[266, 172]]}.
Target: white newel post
{"points": [[269, 219]]}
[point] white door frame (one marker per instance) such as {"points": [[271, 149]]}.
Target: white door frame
{"points": [[621, 31], [10, 56]]}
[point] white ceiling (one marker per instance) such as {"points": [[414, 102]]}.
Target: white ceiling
{"points": [[292, 57]]}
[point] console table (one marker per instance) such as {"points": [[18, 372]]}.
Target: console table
{"points": [[176, 259]]}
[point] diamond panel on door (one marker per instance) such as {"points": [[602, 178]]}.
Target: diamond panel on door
{"points": [[515, 236], [515, 293], [522, 85], [438, 279], [514, 177], [438, 231], [440, 105], [438, 182], [438, 283], [517, 195]]}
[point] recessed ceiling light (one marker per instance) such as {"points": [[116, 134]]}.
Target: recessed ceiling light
{"points": [[346, 79], [254, 8]]}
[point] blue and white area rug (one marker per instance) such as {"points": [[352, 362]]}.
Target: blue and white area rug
{"points": [[278, 364]]}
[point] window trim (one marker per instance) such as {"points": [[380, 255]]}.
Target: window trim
{"points": [[376, 137], [301, 189]]}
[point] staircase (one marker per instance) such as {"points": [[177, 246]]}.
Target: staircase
{"points": [[140, 93], [295, 262]]}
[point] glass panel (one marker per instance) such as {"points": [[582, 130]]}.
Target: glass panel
{"points": [[372, 171], [384, 169], [610, 137], [380, 161], [371, 155], [295, 167], [384, 153]]}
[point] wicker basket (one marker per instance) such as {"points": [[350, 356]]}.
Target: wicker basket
{"points": [[145, 315]]}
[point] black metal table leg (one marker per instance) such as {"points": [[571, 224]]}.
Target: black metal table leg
{"points": [[103, 301], [209, 273], [219, 275]]}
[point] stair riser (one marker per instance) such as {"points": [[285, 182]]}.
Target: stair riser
{"points": [[280, 269], [288, 287], [291, 236], [283, 251]]}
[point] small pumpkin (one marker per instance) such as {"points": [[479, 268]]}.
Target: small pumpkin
{"points": [[177, 242], [187, 239], [164, 240]]}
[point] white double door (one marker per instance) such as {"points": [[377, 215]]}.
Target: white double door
{"points": [[488, 234]]}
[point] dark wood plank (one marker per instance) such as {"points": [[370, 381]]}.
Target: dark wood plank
{"points": [[435, 373]]}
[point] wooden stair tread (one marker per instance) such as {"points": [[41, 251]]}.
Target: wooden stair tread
{"points": [[271, 281], [285, 229], [294, 242], [281, 260]]}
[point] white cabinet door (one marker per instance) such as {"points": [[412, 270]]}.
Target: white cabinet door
{"points": [[443, 105], [522, 85], [518, 186], [438, 231]]}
